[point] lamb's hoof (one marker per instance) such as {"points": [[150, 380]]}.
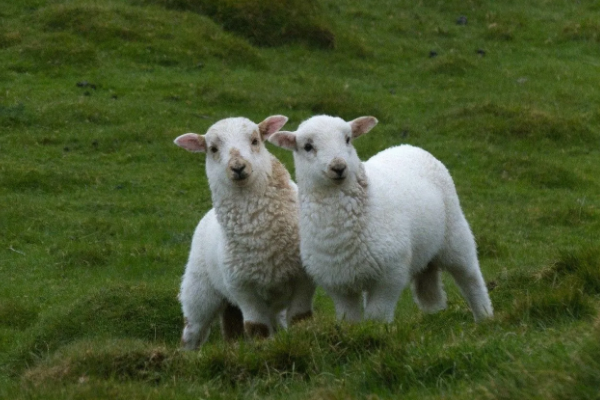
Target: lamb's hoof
{"points": [[256, 330], [187, 345]]}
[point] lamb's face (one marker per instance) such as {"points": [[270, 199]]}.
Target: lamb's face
{"points": [[323, 150], [235, 150]]}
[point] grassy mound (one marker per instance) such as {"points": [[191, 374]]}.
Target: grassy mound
{"points": [[86, 35], [498, 122], [139, 312], [263, 22]]}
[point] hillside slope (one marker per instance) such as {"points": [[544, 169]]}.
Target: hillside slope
{"points": [[98, 206]]}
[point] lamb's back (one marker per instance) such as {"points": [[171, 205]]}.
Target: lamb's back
{"points": [[407, 202]]}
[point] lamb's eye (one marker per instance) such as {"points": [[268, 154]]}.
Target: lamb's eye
{"points": [[255, 142], [347, 140], [308, 147], [213, 149]]}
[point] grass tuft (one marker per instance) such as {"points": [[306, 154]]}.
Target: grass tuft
{"points": [[99, 23], [571, 216], [582, 263], [451, 65], [558, 293], [121, 360], [490, 247], [502, 26], [9, 38], [59, 49], [539, 173], [585, 30], [28, 179], [15, 115], [564, 303], [16, 315]]}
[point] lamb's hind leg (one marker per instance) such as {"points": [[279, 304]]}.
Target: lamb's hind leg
{"points": [[428, 290], [200, 303], [301, 303], [460, 259], [232, 322]]}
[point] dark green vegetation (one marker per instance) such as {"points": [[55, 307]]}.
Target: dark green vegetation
{"points": [[97, 206]]}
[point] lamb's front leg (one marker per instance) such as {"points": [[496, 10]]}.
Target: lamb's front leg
{"points": [[348, 305], [258, 319], [381, 300]]}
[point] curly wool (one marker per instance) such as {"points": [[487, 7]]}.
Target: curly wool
{"points": [[261, 232]]}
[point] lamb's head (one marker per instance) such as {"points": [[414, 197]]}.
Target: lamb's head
{"points": [[235, 150], [323, 151]]}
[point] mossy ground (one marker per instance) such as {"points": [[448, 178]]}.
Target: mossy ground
{"points": [[97, 206]]}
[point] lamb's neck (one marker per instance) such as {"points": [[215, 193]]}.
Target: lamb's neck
{"points": [[237, 213], [246, 214], [336, 213], [335, 235], [260, 225]]}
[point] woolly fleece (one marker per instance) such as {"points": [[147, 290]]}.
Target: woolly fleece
{"points": [[369, 229], [245, 251]]}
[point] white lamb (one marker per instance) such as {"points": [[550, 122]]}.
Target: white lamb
{"points": [[245, 252], [371, 228]]}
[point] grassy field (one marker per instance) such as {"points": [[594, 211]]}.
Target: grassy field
{"points": [[97, 206]]}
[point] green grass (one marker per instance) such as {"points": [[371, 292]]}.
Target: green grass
{"points": [[97, 206]]}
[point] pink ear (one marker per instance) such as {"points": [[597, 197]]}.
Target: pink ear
{"points": [[271, 125], [191, 142], [286, 140], [362, 125]]}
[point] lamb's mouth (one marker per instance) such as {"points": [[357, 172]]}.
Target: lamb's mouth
{"points": [[240, 179], [338, 179]]}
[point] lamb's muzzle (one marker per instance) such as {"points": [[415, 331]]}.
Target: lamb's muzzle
{"points": [[337, 170], [238, 169]]}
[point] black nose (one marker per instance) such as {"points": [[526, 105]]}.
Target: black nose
{"points": [[339, 170], [238, 170]]}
